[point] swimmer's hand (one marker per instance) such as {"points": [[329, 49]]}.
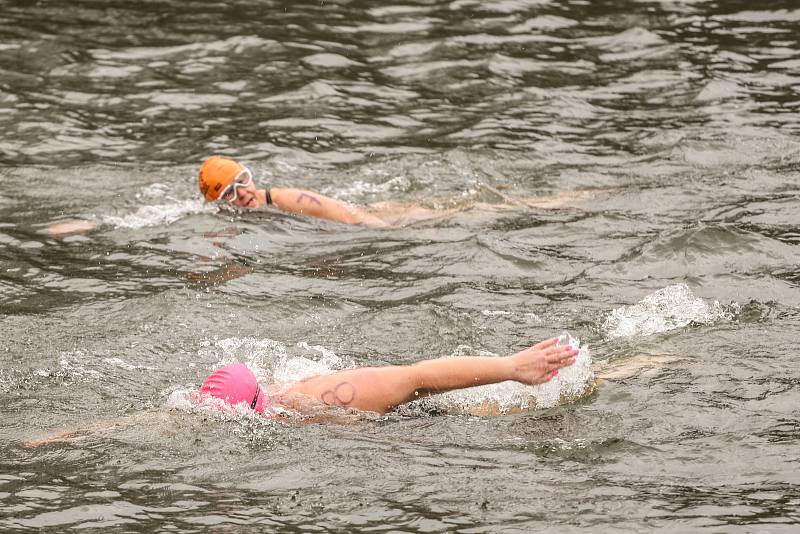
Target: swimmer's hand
{"points": [[541, 362], [70, 227]]}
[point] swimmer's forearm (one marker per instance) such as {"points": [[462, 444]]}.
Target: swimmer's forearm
{"points": [[447, 374], [381, 389], [303, 202], [533, 365]]}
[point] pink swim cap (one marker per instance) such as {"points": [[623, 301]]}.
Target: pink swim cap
{"points": [[235, 384]]}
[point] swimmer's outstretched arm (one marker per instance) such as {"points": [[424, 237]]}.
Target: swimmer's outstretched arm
{"points": [[380, 389], [303, 202]]}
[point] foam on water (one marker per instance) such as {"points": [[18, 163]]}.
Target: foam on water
{"points": [[240, 419], [157, 214], [261, 355], [73, 366], [299, 367], [666, 309], [360, 188], [180, 399], [271, 361], [119, 362]]}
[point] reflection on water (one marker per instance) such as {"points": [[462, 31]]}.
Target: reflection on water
{"points": [[674, 124]]}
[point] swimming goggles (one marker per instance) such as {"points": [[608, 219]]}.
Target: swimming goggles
{"points": [[231, 193]]}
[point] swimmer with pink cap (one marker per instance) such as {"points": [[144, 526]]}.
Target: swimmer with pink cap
{"points": [[236, 384], [381, 389]]}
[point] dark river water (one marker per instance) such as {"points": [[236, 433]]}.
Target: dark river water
{"points": [[671, 128]]}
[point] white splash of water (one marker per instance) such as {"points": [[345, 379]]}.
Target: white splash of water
{"points": [[571, 383], [190, 400], [119, 362], [154, 191], [299, 368], [180, 399], [495, 313], [666, 309], [71, 365], [270, 360], [242, 420], [7, 381], [360, 188], [158, 214]]}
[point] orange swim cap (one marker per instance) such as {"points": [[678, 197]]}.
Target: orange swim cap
{"points": [[216, 173]]}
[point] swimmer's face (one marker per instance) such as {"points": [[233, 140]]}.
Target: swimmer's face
{"points": [[247, 196], [242, 192]]}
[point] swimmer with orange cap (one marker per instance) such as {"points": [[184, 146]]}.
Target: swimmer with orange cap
{"points": [[223, 179]]}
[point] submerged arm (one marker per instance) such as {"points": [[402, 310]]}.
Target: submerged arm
{"points": [[71, 227], [380, 389], [98, 427], [303, 202]]}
